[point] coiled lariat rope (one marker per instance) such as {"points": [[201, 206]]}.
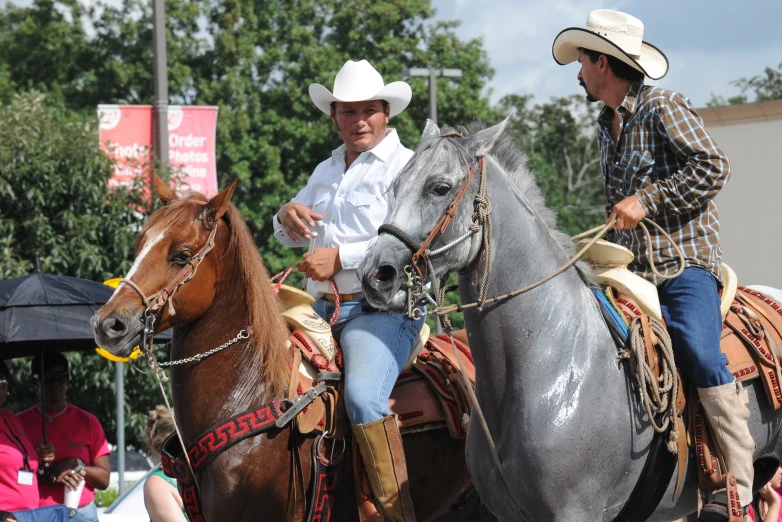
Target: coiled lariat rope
{"points": [[658, 395]]}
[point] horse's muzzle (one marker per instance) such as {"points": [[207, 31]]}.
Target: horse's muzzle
{"points": [[117, 333]]}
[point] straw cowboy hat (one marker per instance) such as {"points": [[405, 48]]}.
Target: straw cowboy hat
{"points": [[359, 81], [616, 34]]}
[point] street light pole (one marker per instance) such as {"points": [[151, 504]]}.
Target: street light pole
{"points": [[433, 94], [161, 81], [432, 73]]}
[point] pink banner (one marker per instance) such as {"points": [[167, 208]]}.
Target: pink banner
{"points": [[126, 135], [192, 132]]}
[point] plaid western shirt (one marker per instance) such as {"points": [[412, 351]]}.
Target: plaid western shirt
{"points": [[666, 157]]}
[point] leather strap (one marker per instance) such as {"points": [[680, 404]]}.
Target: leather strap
{"points": [[649, 343], [155, 302], [343, 297], [445, 220], [681, 456]]}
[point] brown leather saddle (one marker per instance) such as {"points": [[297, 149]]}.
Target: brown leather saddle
{"points": [[752, 340], [430, 394]]}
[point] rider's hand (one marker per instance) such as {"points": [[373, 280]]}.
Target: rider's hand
{"points": [[322, 264], [628, 213], [294, 218]]}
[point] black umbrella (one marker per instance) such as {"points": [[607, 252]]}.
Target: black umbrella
{"points": [[46, 311]]}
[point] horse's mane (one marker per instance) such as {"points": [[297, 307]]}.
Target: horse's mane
{"points": [[506, 153], [269, 332]]}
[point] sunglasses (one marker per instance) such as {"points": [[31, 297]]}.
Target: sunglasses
{"points": [[55, 378]]}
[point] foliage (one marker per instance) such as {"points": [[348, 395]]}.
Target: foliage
{"points": [[56, 206], [765, 87], [255, 60], [57, 209], [559, 137], [106, 498]]}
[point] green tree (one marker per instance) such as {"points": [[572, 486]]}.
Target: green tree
{"points": [[559, 137], [763, 87], [255, 61], [57, 208], [56, 204]]}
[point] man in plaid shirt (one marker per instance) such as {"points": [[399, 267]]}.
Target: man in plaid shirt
{"points": [[659, 162]]}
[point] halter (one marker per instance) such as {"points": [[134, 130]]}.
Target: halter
{"points": [[155, 302], [481, 220], [152, 306]]}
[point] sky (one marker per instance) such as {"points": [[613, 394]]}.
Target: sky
{"points": [[709, 43]]}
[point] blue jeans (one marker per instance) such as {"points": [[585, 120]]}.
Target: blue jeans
{"points": [[691, 308], [375, 345]]}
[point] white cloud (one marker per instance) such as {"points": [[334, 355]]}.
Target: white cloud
{"points": [[518, 34]]}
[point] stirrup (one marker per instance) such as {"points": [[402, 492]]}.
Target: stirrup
{"points": [[717, 511]]}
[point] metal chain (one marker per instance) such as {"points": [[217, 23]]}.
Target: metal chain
{"points": [[243, 334]]}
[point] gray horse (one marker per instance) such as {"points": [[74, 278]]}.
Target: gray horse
{"points": [[563, 411]]}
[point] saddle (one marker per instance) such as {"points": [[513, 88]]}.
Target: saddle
{"points": [[430, 393], [751, 339]]}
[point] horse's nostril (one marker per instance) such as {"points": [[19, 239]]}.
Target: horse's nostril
{"points": [[384, 274], [114, 326]]}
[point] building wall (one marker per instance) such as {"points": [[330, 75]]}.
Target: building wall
{"points": [[750, 205]]}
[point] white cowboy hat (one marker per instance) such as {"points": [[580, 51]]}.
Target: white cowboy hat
{"points": [[616, 34], [359, 81]]}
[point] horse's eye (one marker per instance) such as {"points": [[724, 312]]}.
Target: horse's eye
{"points": [[441, 189], [181, 258]]}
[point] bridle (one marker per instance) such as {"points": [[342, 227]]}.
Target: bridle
{"points": [[481, 221], [155, 302], [152, 307]]}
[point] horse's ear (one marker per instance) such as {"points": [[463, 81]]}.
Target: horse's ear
{"points": [[218, 205], [482, 142], [164, 192], [431, 131]]}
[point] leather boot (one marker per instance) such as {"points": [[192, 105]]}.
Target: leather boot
{"points": [[380, 444], [726, 410]]}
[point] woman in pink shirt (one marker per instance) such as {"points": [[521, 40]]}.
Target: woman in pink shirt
{"points": [[81, 452], [18, 459], [767, 507]]}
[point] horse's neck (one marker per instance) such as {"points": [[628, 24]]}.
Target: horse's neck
{"points": [[227, 382], [529, 341]]}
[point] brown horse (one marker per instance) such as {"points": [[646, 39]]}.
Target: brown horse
{"points": [[260, 477]]}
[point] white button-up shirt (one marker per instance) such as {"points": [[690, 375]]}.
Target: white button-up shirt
{"points": [[353, 203]]}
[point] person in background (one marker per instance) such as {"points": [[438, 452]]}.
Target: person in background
{"points": [[161, 495], [18, 458], [80, 450], [766, 507], [5, 516]]}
